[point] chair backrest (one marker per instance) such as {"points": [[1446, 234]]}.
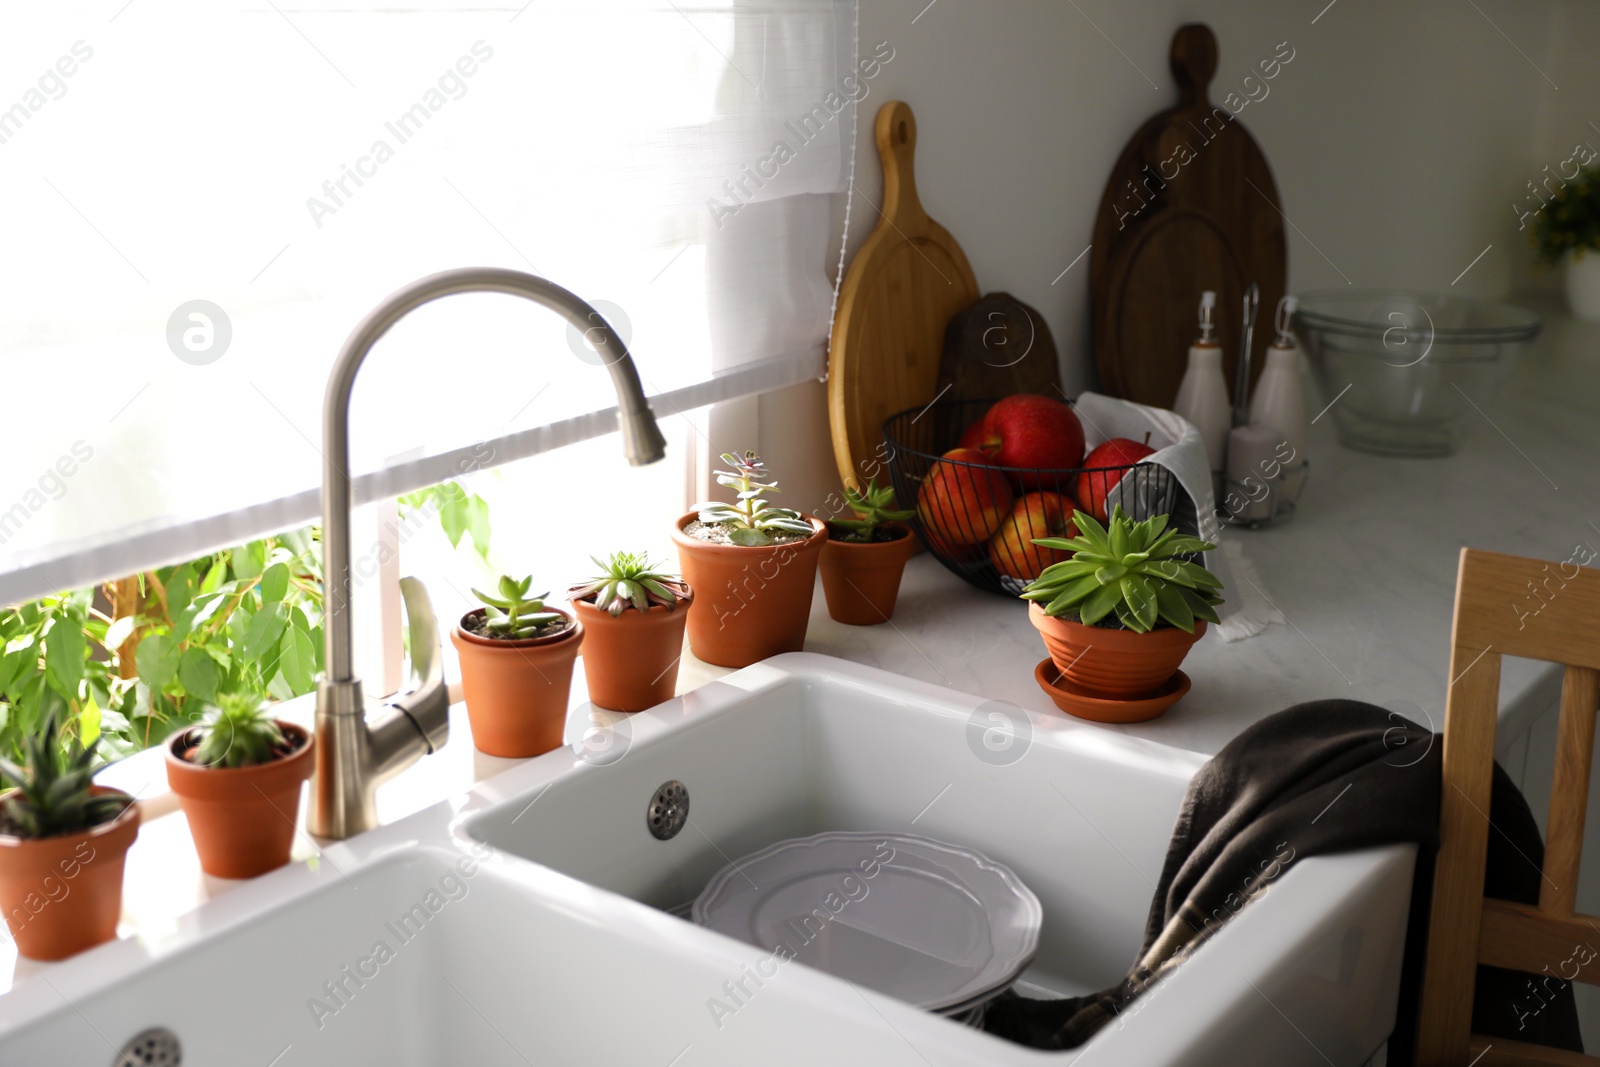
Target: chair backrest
{"points": [[1509, 606]]}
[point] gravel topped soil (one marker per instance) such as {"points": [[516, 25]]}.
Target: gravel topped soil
{"points": [[718, 534]]}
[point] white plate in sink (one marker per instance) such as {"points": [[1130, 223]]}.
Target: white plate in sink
{"points": [[933, 924]]}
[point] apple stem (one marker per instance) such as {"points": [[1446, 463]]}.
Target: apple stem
{"points": [[1147, 439]]}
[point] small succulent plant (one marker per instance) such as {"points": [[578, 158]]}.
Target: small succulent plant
{"points": [[873, 507], [514, 614], [1131, 569], [238, 731], [52, 791], [628, 580], [751, 521]]}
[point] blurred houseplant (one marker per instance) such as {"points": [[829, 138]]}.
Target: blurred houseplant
{"points": [[753, 566], [238, 776], [1566, 231], [516, 669], [864, 557], [633, 617], [63, 841], [1121, 614]]}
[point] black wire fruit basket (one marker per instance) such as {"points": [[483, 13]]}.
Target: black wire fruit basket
{"points": [[980, 519]]}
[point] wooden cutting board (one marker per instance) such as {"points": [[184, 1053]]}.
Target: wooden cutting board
{"points": [[904, 284], [998, 347], [1190, 205]]}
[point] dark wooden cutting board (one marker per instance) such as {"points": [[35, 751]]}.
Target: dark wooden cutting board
{"points": [[1190, 205], [997, 347]]}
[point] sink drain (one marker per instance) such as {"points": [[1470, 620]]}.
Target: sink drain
{"points": [[668, 811], [155, 1047]]}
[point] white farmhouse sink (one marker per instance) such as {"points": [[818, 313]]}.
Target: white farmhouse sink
{"points": [[557, 949]]}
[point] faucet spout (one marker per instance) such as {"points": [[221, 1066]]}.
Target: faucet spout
{"points": [[355, 753]]}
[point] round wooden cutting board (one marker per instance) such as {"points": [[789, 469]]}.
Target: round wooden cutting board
{"points": [[1190, 205], [902, 288]]}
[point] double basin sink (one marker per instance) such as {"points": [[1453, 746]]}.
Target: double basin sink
{"points": [[536, 919]]}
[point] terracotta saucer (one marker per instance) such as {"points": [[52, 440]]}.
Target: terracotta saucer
{"points": [[1087, 704]]}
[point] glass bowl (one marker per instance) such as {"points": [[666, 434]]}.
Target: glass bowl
{"points": [[1402, 369]]}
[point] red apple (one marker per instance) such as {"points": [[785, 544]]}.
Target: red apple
{"points": [[1012, 550], [964, 498], [955, 551], [1094, 485], [977, 437], [1030, 431]]}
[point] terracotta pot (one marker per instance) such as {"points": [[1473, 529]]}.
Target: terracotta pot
{"points": [[1118, 663], [752, 602], [862, 581], [63, 894], [242, 818], [631, 660], [517, 691]]}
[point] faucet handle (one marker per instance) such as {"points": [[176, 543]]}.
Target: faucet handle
{"points": [[425, 701]]}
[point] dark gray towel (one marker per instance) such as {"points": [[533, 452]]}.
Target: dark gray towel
{"points": [[1328, 776]]}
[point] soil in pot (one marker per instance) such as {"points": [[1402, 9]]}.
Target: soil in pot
{"points": [[242, 818], [751, 602], [630, 661], [1112, 662], [63, 894], [861, 579], [516, 690]]}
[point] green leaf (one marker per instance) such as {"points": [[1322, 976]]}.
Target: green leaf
{"points": [[198, 673], [249, 560], [298, 661], [265, 629], [1099, 603], [157, 660], [477, 510], [274, 583], [453, 512], [749, 538], [66, 649], [118, 632], [1140, 599], [214, 577], [12, 665], [1174, 608], [89, 723]]}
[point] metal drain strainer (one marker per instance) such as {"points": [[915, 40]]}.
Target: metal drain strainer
{"points": [[668, 811], [155, 1047]]}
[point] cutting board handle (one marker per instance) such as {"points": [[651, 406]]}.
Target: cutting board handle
{"points": [[896, 134], [1194, 62]]}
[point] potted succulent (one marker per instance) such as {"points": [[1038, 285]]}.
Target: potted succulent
{"points": [[864, 557], [1566, 231], [1127, 593], [237, 776], [516, 669], [63, 841], [633, 618], [752, 564]]}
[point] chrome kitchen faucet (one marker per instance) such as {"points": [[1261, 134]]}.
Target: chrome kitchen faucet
{"points": [[360, 742]]}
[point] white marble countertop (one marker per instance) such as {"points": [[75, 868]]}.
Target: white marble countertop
{"points": [[1364, 573]]}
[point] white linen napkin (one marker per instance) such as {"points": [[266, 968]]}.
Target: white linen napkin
{"points": [[1181, 455]]}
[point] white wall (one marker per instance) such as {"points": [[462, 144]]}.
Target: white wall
{"points": [[1400, 135]]}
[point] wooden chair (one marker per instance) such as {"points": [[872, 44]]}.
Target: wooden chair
{"points": [[1509, 606]]}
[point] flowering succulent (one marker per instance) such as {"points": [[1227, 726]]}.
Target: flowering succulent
{"points": [[1132, 568], [626, 579], [51, 794], [514, 614], [238, 731], [750, 520], [872, 508]]}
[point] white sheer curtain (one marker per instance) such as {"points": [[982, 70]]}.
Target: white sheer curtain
{"points": [[291, 164]]}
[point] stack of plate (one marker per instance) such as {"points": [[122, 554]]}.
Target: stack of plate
{"points": [[932, 924]]}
